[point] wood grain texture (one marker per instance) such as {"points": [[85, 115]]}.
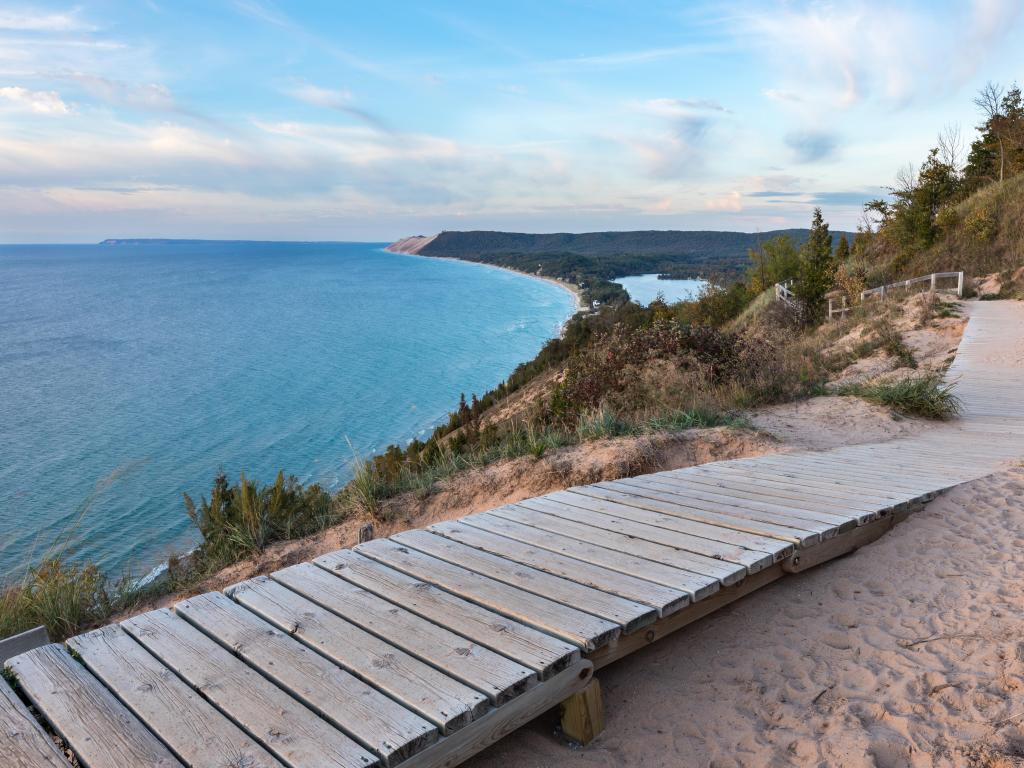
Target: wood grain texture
{"points": [[376, 721], [196, 732], [420, 687], [775, 547], [733, 517], [525, 645], [97, 727], [582, 629], [628, 614], [536, 514], [498, 723], [662, 529], [695, 585], [662, 599], [290, 730], [783, 513], [23, 744], [496, 676]]}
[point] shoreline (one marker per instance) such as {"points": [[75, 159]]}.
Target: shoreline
{"points": [[161, 568], [565, 285]]}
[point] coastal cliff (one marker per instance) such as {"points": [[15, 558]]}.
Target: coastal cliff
{"points": [[411, 245]]}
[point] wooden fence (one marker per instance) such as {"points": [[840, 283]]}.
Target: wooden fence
{"points": [[883, 292]]}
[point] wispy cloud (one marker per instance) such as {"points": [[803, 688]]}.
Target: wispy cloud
{"points": [[812, 146], [33, 21], [847, 53], [629, 58], [40, 102], [339, 100]]}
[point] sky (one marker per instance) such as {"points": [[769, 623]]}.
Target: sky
{"points": [[345, 120]]}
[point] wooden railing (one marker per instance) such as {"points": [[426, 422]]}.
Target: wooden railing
{"points": [[884, 291], [784, 294]]}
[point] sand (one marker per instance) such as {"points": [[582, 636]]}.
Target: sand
{"points": [[908, 652], [829, 422]]}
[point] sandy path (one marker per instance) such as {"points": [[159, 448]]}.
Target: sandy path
{"points": [[819, 669]]}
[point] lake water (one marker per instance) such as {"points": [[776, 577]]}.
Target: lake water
{"points": [[131, 373], [644, 289]]}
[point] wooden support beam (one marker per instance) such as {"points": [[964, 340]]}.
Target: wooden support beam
{"points": [[583, 714]]}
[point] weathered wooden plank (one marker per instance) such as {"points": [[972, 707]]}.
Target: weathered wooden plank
{"points": [[695, 585], [849, 469], [725, 571], [378, 723], [738, 507], [659, 553], [628, 614], [691, 487], [290, 730], [777, 548], [23, 743], [582, 629], [835, 474], [703, 548], [757, 479], [98, 728], [454, 654], [502, 721], [23, 641], [762, 475], [714, 514], [662, 599], [682, 487], [196, 732], [437, 697]]}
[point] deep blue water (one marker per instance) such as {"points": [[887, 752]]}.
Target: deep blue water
{"points": [[644, 289], [132, 373]]}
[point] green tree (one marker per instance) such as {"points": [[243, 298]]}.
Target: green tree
{"points": [[817, 267], [842, 250], [774, 261]]}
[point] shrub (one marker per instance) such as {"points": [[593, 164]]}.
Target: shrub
{"points": [[63, 597], [239, 521], [980, 223]]}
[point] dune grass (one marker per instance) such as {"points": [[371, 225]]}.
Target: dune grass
{"points": [[925, 396]]}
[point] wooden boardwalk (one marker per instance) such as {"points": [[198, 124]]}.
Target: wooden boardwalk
{"points": [[422, 649]]}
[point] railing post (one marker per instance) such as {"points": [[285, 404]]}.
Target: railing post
{"points": [[830, 309], [935, 278], [960, 285]]}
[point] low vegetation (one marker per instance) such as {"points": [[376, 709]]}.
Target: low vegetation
{"points": [[926, 396]]}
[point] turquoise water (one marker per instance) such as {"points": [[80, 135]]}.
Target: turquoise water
{"points": [[131, 373], [644, 289]]}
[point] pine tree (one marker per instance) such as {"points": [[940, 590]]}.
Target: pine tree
{"points": [[817, 267], [842, 250]]}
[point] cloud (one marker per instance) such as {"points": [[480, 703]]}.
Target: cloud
{"points": [[629, 58], [812, 146], [28, 21], [846, 53], [677, 107], [40, 102], [148, 96], [338, 100], [775, 193], [731, 202], [778, 94]]}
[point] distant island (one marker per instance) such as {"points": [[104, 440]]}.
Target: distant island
{"points": [[591, 260]]}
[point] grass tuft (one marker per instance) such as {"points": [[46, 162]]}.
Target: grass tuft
{"points": [[926, 396]]}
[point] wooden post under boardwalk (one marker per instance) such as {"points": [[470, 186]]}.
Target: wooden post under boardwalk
{"points": [[583, 714]]}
